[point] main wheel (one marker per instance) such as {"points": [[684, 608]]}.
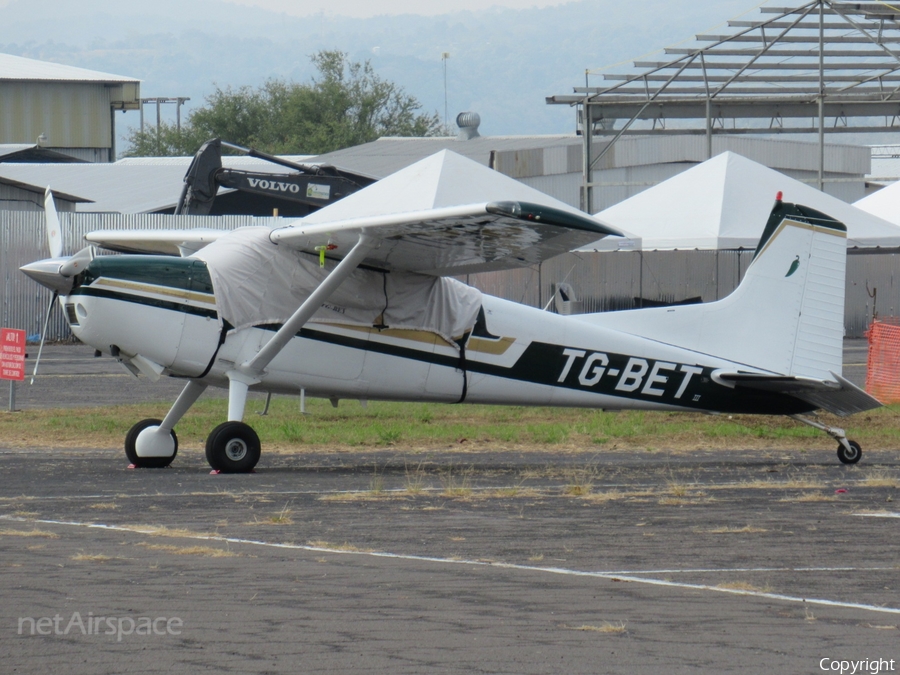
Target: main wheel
{"points": [[233, 447], [156, 462], [850, 456]]}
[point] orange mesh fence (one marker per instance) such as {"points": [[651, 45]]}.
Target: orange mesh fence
{"points": [[883, 372]]}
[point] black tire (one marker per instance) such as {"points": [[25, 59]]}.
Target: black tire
{"points": [[851, 456], [146, 462], [233, 447]]}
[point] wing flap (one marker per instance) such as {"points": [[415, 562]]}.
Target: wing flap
{"points": [[839, 396], [454, 240], [160, 242]]}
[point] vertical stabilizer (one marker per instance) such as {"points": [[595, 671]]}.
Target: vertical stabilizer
{"points": [[787, 314]]}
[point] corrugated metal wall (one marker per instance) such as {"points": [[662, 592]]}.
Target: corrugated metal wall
{"points": [[602, 281], [70, 115], [626, 279]]}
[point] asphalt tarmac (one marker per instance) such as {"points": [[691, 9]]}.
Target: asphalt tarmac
{"points": [[385, 562]]}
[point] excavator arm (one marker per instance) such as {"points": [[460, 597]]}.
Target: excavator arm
{"points": [[311, 185]]}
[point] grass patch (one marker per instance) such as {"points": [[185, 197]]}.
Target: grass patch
{"points": [[745, 587], [94, 558], [423, 426], [283, 517], [345, 547], [816, 496], [747, 529], [163, 531], [456, 484], [105, 506], [206, 551], [580, 482], [607, 627], [880, 478], [29, 533]]}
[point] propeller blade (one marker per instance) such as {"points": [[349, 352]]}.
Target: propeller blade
{"points": [[77, 263], [54, 231], [37, 361]]}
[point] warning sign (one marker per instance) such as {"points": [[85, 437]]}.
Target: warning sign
{"points": [[12, 354]]}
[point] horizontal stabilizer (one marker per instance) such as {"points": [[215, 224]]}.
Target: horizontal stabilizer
{"points": [[839, 396], [159, 242]]}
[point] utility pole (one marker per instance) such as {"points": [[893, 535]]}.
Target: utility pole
{"points": [[158, 101], [444, 57]]}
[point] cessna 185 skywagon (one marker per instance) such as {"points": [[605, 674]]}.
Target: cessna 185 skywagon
{"points": [[358, 301]]}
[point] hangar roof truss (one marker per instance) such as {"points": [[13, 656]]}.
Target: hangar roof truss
{"points": [[824, 60]]}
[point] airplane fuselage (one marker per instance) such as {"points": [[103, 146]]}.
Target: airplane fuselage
{"points": [[516, 355]]}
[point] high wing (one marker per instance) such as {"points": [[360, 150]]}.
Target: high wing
{"points": [[454, 240], [441, 242], [163, 242], [840, 397]]}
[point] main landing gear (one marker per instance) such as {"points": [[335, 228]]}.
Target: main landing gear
{"points": [[232, 447], [849, 452]]}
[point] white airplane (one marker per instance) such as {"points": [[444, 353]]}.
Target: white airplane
{"points": [[357, 301]]}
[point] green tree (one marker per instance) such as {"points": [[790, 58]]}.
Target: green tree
{"points": [[345, 104]]}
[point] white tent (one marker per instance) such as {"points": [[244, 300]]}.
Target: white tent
{"points": [[724, 203], [444, 179], [885, 203]]}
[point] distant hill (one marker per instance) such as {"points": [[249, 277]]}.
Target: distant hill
{"points": [[503, 62]]}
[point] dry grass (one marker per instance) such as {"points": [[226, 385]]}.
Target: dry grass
{"points": [[606, 496], [205, 551], [94, 558], [809, 497], [105, 506], [346, 546], [28, 533], [362, 496], [801, 483], [415, 480], [745, 587], [580, 481], [163, 531], [880, 478], [747, 529], [457, 485], [283, 517], [607, 627]]}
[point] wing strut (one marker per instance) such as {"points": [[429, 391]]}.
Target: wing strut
{"points": [[248, 373]]}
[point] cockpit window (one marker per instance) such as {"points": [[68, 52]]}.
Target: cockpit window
{"points": [[187, 274]]}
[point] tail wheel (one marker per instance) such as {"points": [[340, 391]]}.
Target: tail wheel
{"points": [[851, 456], [233, 447], [131, 445]]}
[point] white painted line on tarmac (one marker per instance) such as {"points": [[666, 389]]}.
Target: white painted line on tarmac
{"points": [[745, 570], [613, 576], [878, 515]]}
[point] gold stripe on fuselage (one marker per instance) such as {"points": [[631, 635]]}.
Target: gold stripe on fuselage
{"points": [[475, 344], [201, 298]]}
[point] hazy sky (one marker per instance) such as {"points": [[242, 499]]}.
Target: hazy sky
{"points": [[364, 8]]}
